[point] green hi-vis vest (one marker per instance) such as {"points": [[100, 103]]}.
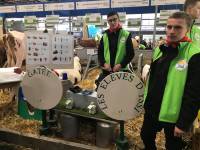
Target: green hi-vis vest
{"points": [[176, 78], [121, 47], [194, 35]]}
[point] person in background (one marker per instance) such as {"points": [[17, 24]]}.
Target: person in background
{"points": [[161, 41], [115, 50], [149, 44], [172, 94], [135, 42], [143, 43], [192, 8]]}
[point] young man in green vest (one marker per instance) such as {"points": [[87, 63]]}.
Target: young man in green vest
{"points": [[115, 49], [172, 95], [192, 8]]}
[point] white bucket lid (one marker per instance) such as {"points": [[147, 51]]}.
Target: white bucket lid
{"points": [[120, 95], [42, 88]]}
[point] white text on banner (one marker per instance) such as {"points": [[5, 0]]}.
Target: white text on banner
{"points": [[166, 2], [129, 3], [59, 6], [92, 4], [7, 9], [30, 8]]}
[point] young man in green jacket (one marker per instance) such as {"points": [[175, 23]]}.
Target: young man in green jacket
{"points": [[192, 8], [115, 50], [172, 96]]}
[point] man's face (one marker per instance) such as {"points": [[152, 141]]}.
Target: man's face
{"points": [[113, 21], [176, 29], [194, 11]]}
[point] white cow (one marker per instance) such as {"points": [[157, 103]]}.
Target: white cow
{"points": [[14, 43]]}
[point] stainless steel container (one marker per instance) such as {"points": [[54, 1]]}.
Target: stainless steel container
{"points": [[104, 134], [69, 126]]}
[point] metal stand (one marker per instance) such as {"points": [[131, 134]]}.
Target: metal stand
{"points": [[52, 122], [88, 65], [44, 129], [122, 142]]}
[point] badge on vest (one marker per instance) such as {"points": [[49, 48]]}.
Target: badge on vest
{"points": [[181, 65], [197, 36], [123, 39]]}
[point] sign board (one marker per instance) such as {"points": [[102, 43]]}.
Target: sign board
{"points": [[51, 20], [164, 14], [134, 22], [93, 18], [30, 22], [49, 49], [42, 88], [128, 3], [59, 6], [166, 2], [78, 21], [122, 16], [120, 95], [7, 9], [93, 4], [103, 23], [30, 8]]}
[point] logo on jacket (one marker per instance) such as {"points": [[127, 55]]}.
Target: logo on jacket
{"points": [[181, 65], [123, 39], [197, 36]]}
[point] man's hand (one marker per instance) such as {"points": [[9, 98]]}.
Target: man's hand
{"points": [[178, 132], [107, 67], [117, 67]]}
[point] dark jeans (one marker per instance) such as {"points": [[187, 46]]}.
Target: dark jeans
{"points": [[151, 127]]}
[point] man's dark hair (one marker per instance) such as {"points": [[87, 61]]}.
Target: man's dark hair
{"points": [[182, 15], [189, 3], [112, 13]]}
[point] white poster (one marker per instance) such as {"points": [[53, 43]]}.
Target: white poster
{"points": [[129, 3], [166, 2], [49, 49], [7, 9], [38, 46], [93, 4], [30, 8], [62, 49], [59, 6]]}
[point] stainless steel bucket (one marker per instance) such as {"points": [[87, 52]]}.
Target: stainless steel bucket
{"points": [[104, 134], [69, 126]]}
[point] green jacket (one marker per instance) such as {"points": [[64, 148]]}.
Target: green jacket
{"points": [[194, 35], [121, 47], [176, 79]]}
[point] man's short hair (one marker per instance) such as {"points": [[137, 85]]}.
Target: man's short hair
{"points": [[112, 13], [182, 15], [189, 3]]}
